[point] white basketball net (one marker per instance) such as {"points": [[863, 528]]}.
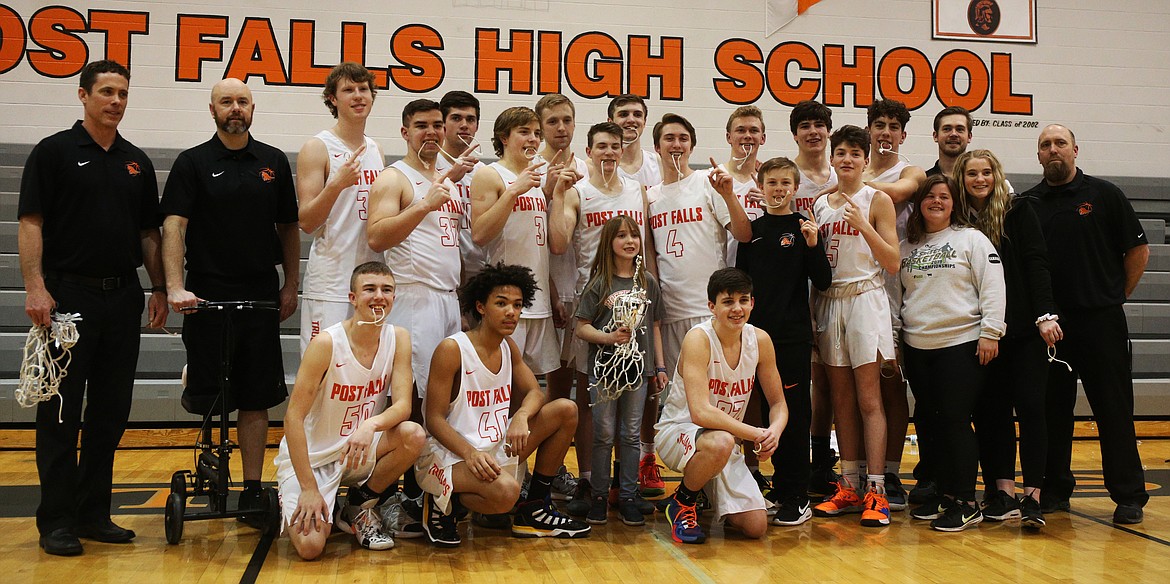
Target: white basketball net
{"points": [[40, 372], [619, 368]]}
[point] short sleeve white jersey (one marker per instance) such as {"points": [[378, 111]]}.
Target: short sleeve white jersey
{"points": [[473, 255], [341, 243], [806, 193], [524, 240], [348, 395], [430, 254], [596, 208], [649, 174], [730, 388], [688, 221], [752, 208], [849, 254], [479, 409], [901, 210], [563, 268]]}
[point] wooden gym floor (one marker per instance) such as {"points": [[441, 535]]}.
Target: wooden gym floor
{"points": [[1081, 546]]}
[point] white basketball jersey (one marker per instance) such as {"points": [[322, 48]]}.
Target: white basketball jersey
{"points": [[479, 410], [806, 193], [523, 241], [849, 254], [596, 209], [752, 208], [341, 243], [348, 395], [563, 268], [430, 254], [901, 210], [687, 220], [649, 174], [474, 256], [729, 388]]}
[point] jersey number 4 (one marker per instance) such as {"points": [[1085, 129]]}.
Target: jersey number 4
{"points": [[493, 424], [674, 247]]}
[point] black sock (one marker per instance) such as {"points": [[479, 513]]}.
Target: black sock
{"points": [[821, 452], [686, 496], [252, 485], [540, 487], [359, 495], [616, 471], [410, 486]]}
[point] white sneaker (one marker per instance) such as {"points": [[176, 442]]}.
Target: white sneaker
{"points": [[366, 526]]}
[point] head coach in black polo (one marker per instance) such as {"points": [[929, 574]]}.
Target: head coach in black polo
{"points": [[230, 209], [1097, 251], [88, 219]]}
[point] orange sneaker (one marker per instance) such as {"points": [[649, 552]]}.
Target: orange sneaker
{"points": [[845, 500], [649, 478], [876, 512]]}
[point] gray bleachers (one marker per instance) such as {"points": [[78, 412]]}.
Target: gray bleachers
{"points": [[157, 389]]}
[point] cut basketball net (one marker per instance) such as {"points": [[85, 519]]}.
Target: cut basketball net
{"points": [[618, 368], [40, 372]]}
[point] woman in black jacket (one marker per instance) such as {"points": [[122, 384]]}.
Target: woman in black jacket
{"points": [[1019, 376]]}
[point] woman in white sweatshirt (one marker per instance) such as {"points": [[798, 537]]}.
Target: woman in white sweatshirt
{"points": [[952, 315]]}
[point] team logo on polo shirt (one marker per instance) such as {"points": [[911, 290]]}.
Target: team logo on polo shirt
{"points": [[267, 174], [787, 240], [1084, 208], [132, 168]]}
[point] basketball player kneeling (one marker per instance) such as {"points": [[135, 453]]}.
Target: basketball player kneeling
{"points": [[477, 437], [340, 428], [701, 432]]}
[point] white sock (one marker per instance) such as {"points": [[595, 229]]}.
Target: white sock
{"points": [[877, 483], [647, 448], [850, 473]]}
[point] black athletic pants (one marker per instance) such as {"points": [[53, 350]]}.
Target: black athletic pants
{"points": [[791, 460], [76, 490], [1017, 378], [1096, 344], [946, 384]]}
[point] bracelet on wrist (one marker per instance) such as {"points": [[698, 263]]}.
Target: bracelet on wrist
{"points": [[660, 369], [1046, 317]]}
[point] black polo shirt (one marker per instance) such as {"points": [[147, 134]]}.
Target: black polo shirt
{"points": [[94, 203], [1089, 225], [232, 200], [936, 169]]}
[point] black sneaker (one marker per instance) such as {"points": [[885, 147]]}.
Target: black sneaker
{"points": [[252, 499], [441, 529], [598, 511], [932, 509], [1049, 505], [1128, 515], [1030, 514], [959, 516], [924, 492], [492, 520], [895, 492], [822, 481], [762, 482], [702, 503], [644, 507], [541, 519], [631, 515], [794, 511], [1001, 506], [580, 504], [412, 527]]}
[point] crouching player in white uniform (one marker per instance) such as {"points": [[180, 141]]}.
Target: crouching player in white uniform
{"points": [[701, 431], [477, 439], [338, 429]]}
